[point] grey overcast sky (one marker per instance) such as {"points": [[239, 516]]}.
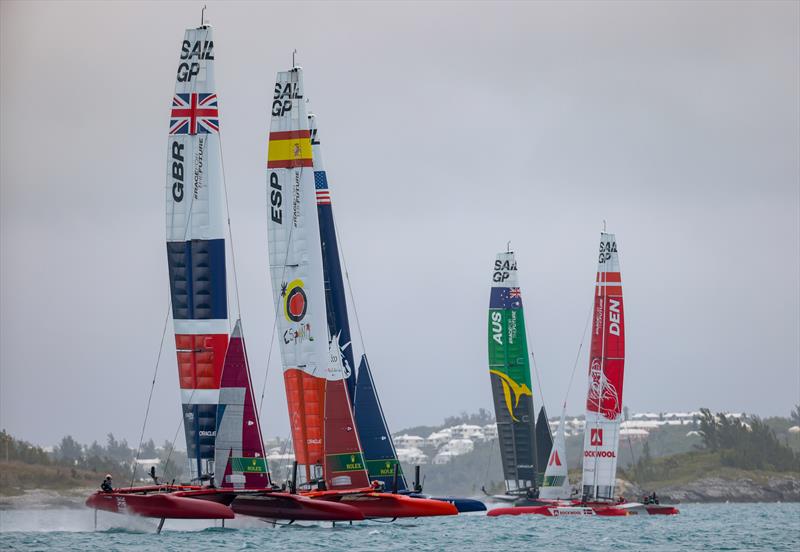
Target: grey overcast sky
{"points": [[448, 129]]}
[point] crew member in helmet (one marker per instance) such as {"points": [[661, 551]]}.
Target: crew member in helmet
{"points": [[106, 484]]}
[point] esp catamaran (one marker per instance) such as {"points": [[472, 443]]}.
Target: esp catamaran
{"points": [[603, 409], [524, 441], [222, 428], [311, 319]]}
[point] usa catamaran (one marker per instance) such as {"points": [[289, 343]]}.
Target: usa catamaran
{"points": [[603, 410], [378, 448]]}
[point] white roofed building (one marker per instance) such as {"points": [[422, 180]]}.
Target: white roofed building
{"points": [[411, 455], [438, 438], [408, 441]]}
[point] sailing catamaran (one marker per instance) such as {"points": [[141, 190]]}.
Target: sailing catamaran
{"points": [[524, 442], [603, 407], [311, 321], [378, 448], [222, 429]]}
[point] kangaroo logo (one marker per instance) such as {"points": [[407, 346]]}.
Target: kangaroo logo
{"points": [[509, 386]]}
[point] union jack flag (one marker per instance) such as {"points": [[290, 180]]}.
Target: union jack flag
{"points": [[514, 293], [194, 114]]}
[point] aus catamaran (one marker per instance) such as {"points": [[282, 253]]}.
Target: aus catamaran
{"points": [[311, 321], [223, 434], [603, 410], [525, 441]]}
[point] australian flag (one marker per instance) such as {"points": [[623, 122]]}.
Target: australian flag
{"points": [[505, 298]]}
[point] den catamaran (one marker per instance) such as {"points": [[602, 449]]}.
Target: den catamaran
{"points": [[376, 442], [314, 348], [603, 407], [222, 428], [524, 441]]}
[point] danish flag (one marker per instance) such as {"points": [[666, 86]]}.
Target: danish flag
{"points": [[194, 113]]}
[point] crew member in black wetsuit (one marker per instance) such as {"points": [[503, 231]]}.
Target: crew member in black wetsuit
{"points": [[105, 486]]}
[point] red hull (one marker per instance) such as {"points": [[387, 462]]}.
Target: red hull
{"points": [[287, 506], [578, 509], [158, 502], [386, 505], [658, 510]]}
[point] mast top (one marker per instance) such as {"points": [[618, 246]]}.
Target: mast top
{"points": [[508, 246], [203, 16]]}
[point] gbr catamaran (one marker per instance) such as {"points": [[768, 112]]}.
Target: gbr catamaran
{"points": [[221, 423], [603, 409], [314, 348]]}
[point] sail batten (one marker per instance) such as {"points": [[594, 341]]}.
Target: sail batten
{"points": [[606, 371]]}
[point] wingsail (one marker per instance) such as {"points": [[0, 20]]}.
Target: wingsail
{"points": [[195, 222], [373, 432], [379, 450], [239, 451], [338, 322], [606, 371], [323, 430], [511, 377], [556, 477], [296, 269], [544, 443]]}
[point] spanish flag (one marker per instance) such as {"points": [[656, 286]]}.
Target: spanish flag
{"points": [[289, 149]]}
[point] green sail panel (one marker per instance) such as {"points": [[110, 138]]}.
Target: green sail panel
{"points": [[510, 374]]}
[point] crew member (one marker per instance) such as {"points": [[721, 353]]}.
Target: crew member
{"points": [[105, 486]]}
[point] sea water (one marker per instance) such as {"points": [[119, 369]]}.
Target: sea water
{"points": [[703, 527]]}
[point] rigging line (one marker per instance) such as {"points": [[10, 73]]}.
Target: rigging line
{"points": [[578, 355], [277, 308], [536, 371], [160, 351], [230, 233], [349, 285], [489, 462], [150, 397], [172, 448]]}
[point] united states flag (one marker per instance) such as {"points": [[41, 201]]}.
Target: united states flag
{"points": [[194, 114], [321, 187]]}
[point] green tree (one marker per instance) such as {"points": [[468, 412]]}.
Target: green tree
{"points": [[795, 415], [69, 451]]}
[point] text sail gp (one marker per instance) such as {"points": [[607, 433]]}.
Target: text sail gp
{"points": [[195, 220], [606, 371], [510, 375]]}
